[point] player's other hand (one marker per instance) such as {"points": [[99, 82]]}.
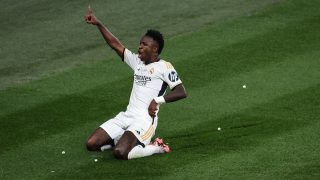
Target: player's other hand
{"points": [[90, 18], [153, 108]]}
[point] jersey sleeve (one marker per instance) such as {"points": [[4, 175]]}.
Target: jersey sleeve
{"points": [[170, 75], [131, 58]]}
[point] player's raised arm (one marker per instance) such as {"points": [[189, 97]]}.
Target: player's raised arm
{"points": [[112, 41]]}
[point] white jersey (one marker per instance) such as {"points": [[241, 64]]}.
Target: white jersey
{"points": [[150, 81]]}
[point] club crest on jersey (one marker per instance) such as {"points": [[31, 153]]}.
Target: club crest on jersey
{"points": [[173, 76], [141, 80], [151, 71]]}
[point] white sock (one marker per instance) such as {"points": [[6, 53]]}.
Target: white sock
{"points": [[106, 147], [139, 151]]}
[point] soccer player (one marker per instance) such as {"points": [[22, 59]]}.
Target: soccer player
{"points": [[131, 131]]}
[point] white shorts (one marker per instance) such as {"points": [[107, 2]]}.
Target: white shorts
{"points": [[142, 127]]}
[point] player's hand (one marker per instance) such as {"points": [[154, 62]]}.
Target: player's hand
{"points": [[153, 108], [90, 18]]}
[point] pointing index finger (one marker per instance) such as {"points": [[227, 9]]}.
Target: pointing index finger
{"points": [[89, 10]]}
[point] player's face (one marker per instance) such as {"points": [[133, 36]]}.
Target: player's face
{"points": [[147, 49]]}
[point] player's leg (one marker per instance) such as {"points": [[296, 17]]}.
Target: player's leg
{"points": [[126, 143], [129, 147], [106, 134], [135, 142], [98, 138], [153, 148]]}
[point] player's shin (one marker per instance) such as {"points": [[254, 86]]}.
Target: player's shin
{"points": [[139, 151]]}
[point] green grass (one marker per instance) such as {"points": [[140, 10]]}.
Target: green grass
{"points": [[59, 82], [44, 37]]}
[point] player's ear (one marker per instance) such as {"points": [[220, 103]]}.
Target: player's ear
{"points": [[155, 49]]}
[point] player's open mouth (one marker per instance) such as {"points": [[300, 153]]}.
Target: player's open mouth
{"points": [[140, 54]]}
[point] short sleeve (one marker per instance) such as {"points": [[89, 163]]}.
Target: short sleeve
{"points": [[131, 58], [171, 76]]}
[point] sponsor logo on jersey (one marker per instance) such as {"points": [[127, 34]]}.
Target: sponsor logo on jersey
{"points": [[141, 80], [173, 76]]}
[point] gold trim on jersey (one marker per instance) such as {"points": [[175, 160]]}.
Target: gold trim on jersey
{"points": [[168, 64], [148, 134]]}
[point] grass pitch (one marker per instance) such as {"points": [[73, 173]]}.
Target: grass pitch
{"points": [[59, 81]]}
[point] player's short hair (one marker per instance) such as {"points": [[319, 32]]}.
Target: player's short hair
{"points": [[157, 36]]}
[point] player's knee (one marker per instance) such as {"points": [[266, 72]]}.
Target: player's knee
{"points": [[92, 145], [120, 153]]}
